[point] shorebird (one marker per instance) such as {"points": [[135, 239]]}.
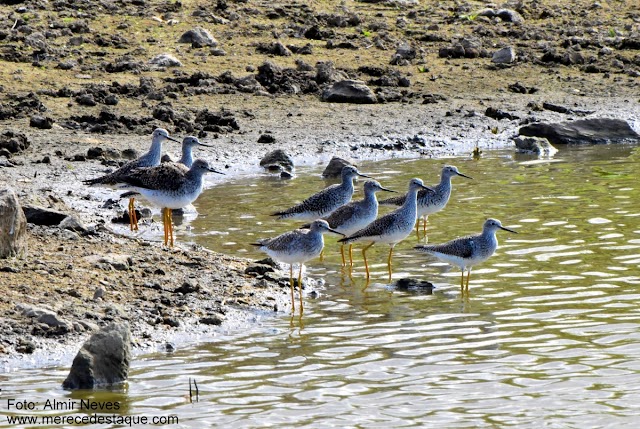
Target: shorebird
{"points": [[188, 143], [465, 252], [297, 247], [149, 159], [432, 201], [326, 201], [168, 186], [356, 215], [391, 228]]}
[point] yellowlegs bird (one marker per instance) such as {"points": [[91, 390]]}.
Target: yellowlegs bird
{"points": [[297, 247], [168, 186], [465, 252], [391, 228], [356, 215], [430, 202], [326, 201], [188, 143], [149, 159]]}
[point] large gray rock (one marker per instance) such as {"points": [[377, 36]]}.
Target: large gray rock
{"points": [[103, 359], [535, 145], [504, 56], [13, 225], [277, 161], [584, 131], [42, 216], [198, 37], [334, 168], [349, 91]]}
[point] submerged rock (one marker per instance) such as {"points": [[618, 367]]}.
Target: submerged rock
{"points": [[103, 359], [13, 225], [535, 145], [584, 131]]}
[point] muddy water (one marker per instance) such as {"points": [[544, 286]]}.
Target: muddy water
{"points": [[550, 334]]}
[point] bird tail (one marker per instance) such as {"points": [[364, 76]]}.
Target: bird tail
{"points": [[129, 194]]}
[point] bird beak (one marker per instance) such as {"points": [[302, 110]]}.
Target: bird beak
{"points": [[464, 175], [507, 229], [388, 190], [175, 140], [205, 145], [364, 175], [335, 232], [216, 171]]}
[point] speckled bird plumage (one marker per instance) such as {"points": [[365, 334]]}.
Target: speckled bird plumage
{"points": [[431, 201], [149, 159], [326, 201], [465, 252], [392, 227]]}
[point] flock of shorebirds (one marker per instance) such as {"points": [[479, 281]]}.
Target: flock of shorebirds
{"points": [[174, 185]]}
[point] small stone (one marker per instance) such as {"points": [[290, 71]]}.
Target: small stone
{"points": [[198, 37], [41, 122], [266, 138], [504, 56], [165, 60]]}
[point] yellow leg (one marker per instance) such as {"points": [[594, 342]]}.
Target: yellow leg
{"points": [[364, 256], [351, 255], [322, 255], [418, 228], [170, 214], [468, 276], [389, 263], [424, 228], [300, 286], [293, 301], [344, 262], [133, 221], [462, 282], [164, 225]]}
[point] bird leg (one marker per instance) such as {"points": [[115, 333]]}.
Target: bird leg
{"points": [[293, 301], [322, 255], [364, 256], [344, 262], [462, 282], [389, 262], [351, 255], [424, 228], [170, 216], [133, 221], [468, 276], [164, 225], [300, 286]]}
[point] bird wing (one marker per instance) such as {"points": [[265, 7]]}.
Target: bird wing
{"points": [[167, 176], [283, 241], [394, 201], [341, 215], [375, 228], [114, 177], [463, 247], [314, 203]]}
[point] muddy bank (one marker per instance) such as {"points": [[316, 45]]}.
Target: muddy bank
{"points": [[81, 93]]}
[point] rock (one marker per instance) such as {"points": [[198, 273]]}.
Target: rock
{"points": [[86, 99], [165, 60], [214, 320], [498, 114], [334, 168], [13, 225], [535, 145], [41, 122], [275, 48], [48, 317], [583, 131], [414, 285], [277, 160], [266, 138], [349, 91], [326, 73], [116, 261], [198, 37], [72, 223], [102, 360], [509, 15], [13, 141], [42, 216], [504, 56]]}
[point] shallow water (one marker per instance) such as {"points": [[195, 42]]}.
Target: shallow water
{"points": [[550, 334]]}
